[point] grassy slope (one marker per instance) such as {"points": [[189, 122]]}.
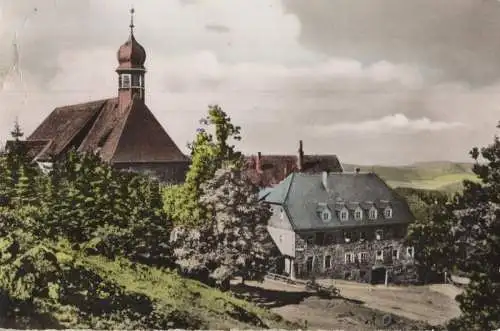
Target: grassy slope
{"points": [[443, 176], [214, 309]]}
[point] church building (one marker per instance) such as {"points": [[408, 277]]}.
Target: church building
{"points": [[121, 129]]}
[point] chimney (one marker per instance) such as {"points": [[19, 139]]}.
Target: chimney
{"points": [[258, 163], [300, 158], [358, 170], [324, 179]]}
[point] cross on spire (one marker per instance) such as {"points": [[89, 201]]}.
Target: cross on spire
{"points": [[132, 11]]}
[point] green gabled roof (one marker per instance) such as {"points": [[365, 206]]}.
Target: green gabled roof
{"points": [[302, 195], [279, 192]]}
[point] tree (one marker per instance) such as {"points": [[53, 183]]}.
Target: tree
{"points": [[234, 239], [210, 151], [467, 232], [107, 211]]}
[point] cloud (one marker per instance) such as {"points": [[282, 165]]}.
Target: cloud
{"points": [[261, 74], [397, 123], [450, 40]]}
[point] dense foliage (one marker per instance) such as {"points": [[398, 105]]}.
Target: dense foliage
{"points": [[60, 231], [233, 240], [107, 211], [220, 225], [210, 151], [44, 221], [463, 234], [421, 201]]}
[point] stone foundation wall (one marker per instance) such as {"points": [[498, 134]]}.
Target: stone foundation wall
{"points": [[310, 260]]}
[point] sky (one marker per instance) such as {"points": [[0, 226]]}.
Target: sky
{"points": [[373, 81]]}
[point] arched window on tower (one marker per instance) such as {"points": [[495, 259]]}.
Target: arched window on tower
{"points": [[136, 81], [125, 80]]}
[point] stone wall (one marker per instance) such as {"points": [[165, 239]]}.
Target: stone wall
{"points": [[327, 258], [168, 172]]}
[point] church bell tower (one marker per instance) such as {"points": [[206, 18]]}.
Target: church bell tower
{"points": [[131, 70]]}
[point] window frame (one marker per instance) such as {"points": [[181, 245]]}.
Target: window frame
{"points": [[328, 214], [362, 236], [365, 260], [347, 236], [123, 80], [325, 259], [412, 249], [139, 81], [351, 258], [344, 211], [379, 257], [373, 213], [360, 211], [395, 250], [329, 239], [388, 212]]}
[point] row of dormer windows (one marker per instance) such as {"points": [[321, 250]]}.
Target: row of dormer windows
{"points": [[359, 214]]}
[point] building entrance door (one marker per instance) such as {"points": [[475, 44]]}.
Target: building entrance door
{"points": [[378, 275]]}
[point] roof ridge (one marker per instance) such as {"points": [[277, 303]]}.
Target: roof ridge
{"points": [[284, 204], [93, 118], [121, 127], [85, 103], [99, 115], [156, 145], [292, 177]]}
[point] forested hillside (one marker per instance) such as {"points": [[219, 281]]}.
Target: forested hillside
{"points": [[86, 246]]}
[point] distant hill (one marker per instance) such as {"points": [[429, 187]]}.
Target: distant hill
{"points": [[440, 175]]}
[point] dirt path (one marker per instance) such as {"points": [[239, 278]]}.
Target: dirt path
{"points": [[362, 307], [434, 304]]}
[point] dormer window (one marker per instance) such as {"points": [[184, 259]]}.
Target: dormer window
{"points": [[358, 214], [326, 215], [125, 80], [388, 212], [373, 213], [344, 214]]}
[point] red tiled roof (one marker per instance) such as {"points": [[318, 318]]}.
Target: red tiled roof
{"points": [[143, 139], [275, 168], [64, 124], [129, 134]]}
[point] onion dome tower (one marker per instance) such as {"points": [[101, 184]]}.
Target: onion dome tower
{"points": [[131, 58]]}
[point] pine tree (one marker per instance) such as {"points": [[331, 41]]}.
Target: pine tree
{"points": [[464, 235]]}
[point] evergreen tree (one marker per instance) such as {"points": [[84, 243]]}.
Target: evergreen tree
{"points": [[6, 184], [464, 235]]}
